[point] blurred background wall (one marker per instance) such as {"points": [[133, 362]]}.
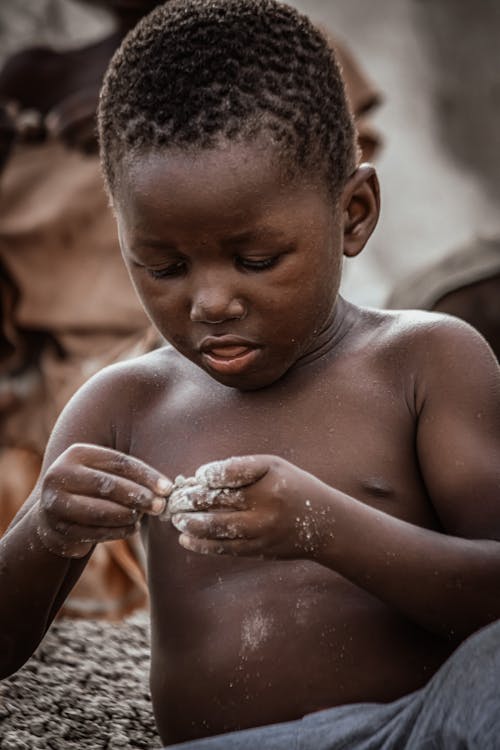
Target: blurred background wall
{"points": [[436, 65]]}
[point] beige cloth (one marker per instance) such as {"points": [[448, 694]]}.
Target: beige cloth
{"points": [[54, 219], [475, 261]]}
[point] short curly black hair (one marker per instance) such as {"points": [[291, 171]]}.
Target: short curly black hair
{"points": [[195, 71]]}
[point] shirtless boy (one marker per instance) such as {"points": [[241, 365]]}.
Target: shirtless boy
{"points": [[357, 543]]}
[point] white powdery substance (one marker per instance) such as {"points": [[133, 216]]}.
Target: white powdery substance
{"points": [[200, 492], [307, 528], [255, 630], [215, 474]]}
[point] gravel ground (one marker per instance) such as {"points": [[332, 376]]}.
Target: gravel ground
{"points": [[86, 687]]}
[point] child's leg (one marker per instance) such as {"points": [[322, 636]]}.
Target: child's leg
{"points": [[275, 737], [459, 709], [360, 726]]}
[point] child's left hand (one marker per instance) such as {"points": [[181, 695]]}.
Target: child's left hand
{"points": [[251, 505]]}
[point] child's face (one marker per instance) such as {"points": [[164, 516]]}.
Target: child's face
{"points": [[237, 266]]}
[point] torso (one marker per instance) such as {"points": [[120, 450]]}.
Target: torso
{"points": [[246, 642]]}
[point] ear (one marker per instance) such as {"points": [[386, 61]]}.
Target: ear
{"points": [[360, 203]]}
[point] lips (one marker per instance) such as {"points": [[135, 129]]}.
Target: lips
{"points": [[228, 354]]}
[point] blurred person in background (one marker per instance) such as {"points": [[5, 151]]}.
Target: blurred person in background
{"points": [[465, 283], [465, 97]]}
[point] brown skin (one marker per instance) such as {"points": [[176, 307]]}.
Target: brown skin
{"points": [[365, 544]]}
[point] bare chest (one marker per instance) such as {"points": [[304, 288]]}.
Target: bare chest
{"points": [[229, 618], [358, 437]]}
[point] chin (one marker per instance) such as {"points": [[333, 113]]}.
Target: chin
{"points": [[251, 381]]}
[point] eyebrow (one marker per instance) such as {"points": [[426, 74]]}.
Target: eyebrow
{"points": [[252, 235], [240, 238], [151, 242]]}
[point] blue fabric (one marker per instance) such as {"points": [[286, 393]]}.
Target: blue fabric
{"points": [[459, 709]]}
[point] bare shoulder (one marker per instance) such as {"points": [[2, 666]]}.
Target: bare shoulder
{"points": [[437, 339], [440, 352], [432, 353], [415, 328], [150, 372], [100, 412], [418, 332]]}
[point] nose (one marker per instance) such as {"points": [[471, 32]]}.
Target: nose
{"points": [[215, 302]]}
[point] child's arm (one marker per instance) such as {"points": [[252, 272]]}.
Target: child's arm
{"points": [[448, 582], [85, 494]]}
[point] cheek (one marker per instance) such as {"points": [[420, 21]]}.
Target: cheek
{"points": [[151, 300], [318, 300], [314, 288], [165, 306]]}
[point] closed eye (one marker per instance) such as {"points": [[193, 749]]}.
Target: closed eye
{"points": [[262, 264], [172, 270]]}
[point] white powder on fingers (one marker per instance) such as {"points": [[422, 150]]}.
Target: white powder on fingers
{"points": [[229, 473], [195, 494]]}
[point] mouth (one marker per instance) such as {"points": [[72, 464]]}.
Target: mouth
{"points": [[228, 355]]}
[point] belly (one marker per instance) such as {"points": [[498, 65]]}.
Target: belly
{"points": [[274, 641]]}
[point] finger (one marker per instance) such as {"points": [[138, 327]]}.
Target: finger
{"points": [[238, 471], [121, 464], [91, 483], [198, 497], [87, 511], [73, 533], [220, 525], [234, 547]]}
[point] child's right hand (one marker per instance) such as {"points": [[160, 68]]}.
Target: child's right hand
{"points": [[93, 494]]}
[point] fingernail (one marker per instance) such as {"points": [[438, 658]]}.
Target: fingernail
{"points": [[158, 505], [164, 486], [180, 521], [186, 541]]}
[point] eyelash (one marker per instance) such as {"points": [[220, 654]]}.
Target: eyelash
{"points": [[257, 265], [176, 269]]}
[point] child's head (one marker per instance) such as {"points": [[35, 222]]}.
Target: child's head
{"points": [[194, 73], [230, 154]]}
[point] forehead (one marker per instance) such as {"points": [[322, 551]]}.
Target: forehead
{"points": [[233, 184]]}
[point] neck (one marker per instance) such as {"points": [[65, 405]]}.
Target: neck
{"points": [[339, 322]]}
